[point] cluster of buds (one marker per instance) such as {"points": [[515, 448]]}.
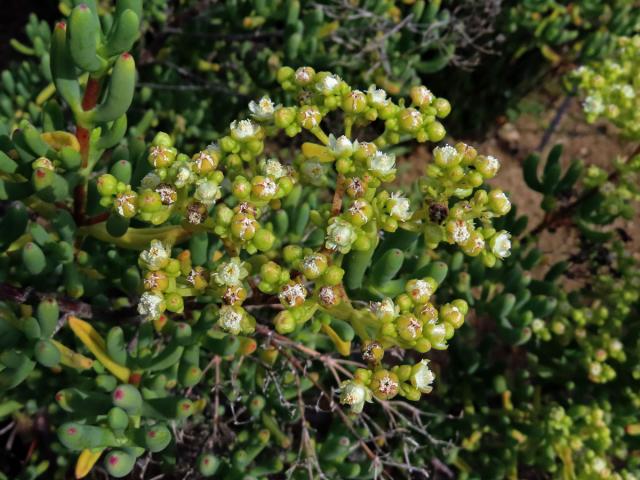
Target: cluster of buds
{"points": [[609, 87], [456, 172], [168, 281], [277, 237]]}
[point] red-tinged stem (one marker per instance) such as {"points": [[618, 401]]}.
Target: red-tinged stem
{"points": [[101, 217], [91, 93]]}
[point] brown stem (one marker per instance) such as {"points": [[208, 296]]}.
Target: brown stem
{"points": [[101, 217], [89, 100], [336, 204]]}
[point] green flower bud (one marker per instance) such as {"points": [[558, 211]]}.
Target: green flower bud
{"points": [[206, 161], [157, 280], [446, 157], [488, 166], [173, 302], [314, 265], [421, 291], [125, 204], [354, 102], [292, 253], [263, 188], [498, 202], [285, 116], [161, 157], [309, 117], [421, 96], [149, 201], [435, 131], [162, 139], [107, 185], [372, 352], [333, 275], [243, 226], [442, 106], [410, 120], [409, 327], [436, 333], [284, 322]]}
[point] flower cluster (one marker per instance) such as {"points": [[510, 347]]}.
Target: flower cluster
{"points": [[610, 88]]}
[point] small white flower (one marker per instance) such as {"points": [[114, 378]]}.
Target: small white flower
{"points": [[501, 244], [150, 181], [230, 319], [493, 164], [310, 117], [328, 84], [207, 192], [229, 274], [184, 176], [243, 129], [382, 164], [460, 232], [595, 369], [354, 394], [537, 325], [400, 207], [274, 169], [341, 146], [268, 187], [422, 288], [340, 236], [156, 257], [615, 345], [384, 310], [263, 109], [627, 91], [422, 377], [446, 155], [593, 105], [377, 96], [599, 465], [292, 294], [423, 95], [303, 75], [150, 305], [327, 296]]}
